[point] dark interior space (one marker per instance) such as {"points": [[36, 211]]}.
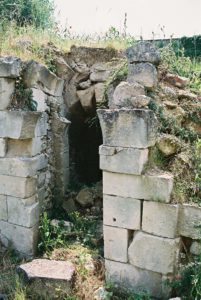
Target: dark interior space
{"points": [[85, 137]]}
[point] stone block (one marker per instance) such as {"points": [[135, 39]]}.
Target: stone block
{"points": [[25, 148], [3, 147], [10, 67], [41, 98], [18, 124], [22, 239], [134, 278], [154, 188], [143, 52], [123, 160], [3, 208], [20, 212], [7, 87], [100, 72], [135, 128], [22, 166], [87, 98], [38, 76], [160, 219], [143, 73], [17, 186], [99, 92], [121, 212], [48, 277], [116, 243], [124, 92], [189, 218], [154, 253], [42, 125]]}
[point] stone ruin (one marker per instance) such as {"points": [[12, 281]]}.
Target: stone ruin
{"points": [[143, 231]]}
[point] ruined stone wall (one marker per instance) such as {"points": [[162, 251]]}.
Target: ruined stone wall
{"points": [[145, 235], [33, 150]]}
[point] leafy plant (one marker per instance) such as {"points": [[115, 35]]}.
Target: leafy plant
{"points": [[50, 236]]}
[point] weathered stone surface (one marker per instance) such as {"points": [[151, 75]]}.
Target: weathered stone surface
{"points": [[38, 76], [177, 80], [99, 92], [124, 92], [168, 144], [85, 197], [189, 218], [121, 212], [41, 99], [10, 67], [185, 94], [85, 84], [115, 243], [143, 52], [102, 294], [3, 208], [65, 224], [7, 87], [122, 160], [100, 72], [21, 238], [155, 188], [131, 277], [160, 219], [143, 73], [177, 113], [195, 248], [140, 101], [63, 70], [25, 148], [86, 98], [154, 253], [22, 166], [49, 278], [18, 124], [17, 186], [128, 128], [3, 147], [42, 125], [21, 213]]}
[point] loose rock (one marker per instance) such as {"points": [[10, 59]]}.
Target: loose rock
{"points": [[143, 73], [168, 144], [177, 80], [85, 197]]}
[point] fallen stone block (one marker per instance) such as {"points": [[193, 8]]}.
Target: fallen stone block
{"points": [[25, 148], [100, 72], [21, 212], [189, 219], [22, 239], [18, 124], [38, 76], [7, 87], [123, 160], [121, 212], [143, 73], [135, 128], [3, 208], [160, 219], [143, 52], [116, 243], [49, 279], [195, 248], [10, 67], [3, 147], [128, 276], [17, 186], [154, 253], [154, 188]]}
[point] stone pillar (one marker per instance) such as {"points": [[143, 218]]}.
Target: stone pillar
{"points": [[141, 243]]}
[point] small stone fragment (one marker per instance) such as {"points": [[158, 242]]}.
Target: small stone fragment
{"points": [[85, 84], [177, 80], [168, 144], [102, 294], [140, 101], [85, 197], [195, 248], [65, 224]]}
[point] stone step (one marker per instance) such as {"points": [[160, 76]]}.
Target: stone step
{"points": [[49, 279]]}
